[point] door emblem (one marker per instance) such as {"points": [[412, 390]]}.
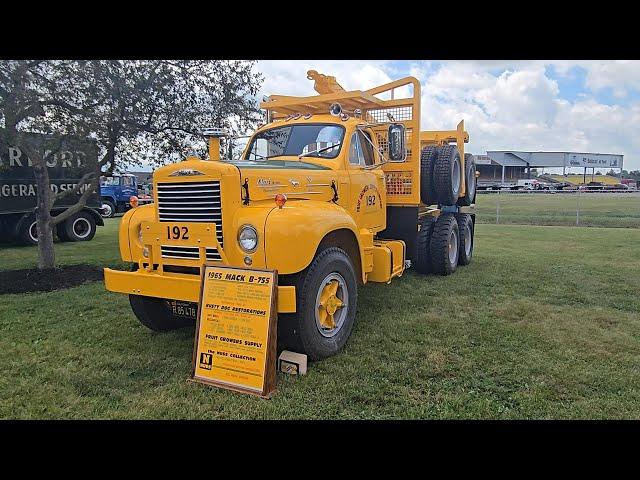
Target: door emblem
{"points": [[293, 182]]}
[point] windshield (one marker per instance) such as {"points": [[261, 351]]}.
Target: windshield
{"points": [[311, 140], [109, 181]]}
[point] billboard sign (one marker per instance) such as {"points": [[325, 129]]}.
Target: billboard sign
{"points": [[593, 160]]}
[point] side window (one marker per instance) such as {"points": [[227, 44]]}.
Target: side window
{"points": [[127, 181], [355, 152], [367, 149]]}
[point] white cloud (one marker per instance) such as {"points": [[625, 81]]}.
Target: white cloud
{"points": [[505, 104]]}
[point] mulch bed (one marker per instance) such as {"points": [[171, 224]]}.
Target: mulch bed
{"points": [[30, 280]]}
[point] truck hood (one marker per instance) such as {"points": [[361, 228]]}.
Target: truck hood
{"points": [[297, 180]]}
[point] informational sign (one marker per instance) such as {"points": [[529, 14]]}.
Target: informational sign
{"points": [[235, 344]]}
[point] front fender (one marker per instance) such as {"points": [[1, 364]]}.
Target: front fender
{"points": [[130, 246], [293, 233]]}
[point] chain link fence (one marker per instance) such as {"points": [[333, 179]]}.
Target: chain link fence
{"points": [[604, 208]]}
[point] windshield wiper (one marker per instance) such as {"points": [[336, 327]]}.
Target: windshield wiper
{"points": [[319, 150]]}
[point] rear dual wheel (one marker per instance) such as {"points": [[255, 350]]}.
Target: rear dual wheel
{"points": [[465, 244], [444, 243]]}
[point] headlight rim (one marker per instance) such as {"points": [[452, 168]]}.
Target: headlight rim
{"points": [[255, 231]]}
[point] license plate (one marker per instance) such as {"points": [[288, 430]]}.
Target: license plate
{"points": [[183, 309]]}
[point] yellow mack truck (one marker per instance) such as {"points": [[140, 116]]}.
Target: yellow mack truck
{"points": [[334, 191]]}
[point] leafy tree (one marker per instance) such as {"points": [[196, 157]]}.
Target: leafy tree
{"points": [[138, 111]]}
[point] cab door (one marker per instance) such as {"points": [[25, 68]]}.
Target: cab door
{"points": [[127, 187], [367, 199]]}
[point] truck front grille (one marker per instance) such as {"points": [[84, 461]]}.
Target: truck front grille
{"points": [[191, 202], [189, 253]]}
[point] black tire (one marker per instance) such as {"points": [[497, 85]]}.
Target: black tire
{"points": [[447, 174], [80, 227], [28, 234], [428, 158], [111, 209], [60, 231], [154, 313], [423, 246], [301, 332], [466, 240], [445, 232], [469, 196]]}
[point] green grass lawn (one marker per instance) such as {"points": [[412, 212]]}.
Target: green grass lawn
{"points": [[543, 324], [596, 209]]}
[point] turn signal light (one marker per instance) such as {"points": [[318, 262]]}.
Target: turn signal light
{"points": [[133, 201], [281, 199]]}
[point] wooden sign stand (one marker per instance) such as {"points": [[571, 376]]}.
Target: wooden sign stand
{"points": [[231, 352]]}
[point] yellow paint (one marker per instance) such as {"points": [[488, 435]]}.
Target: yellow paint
{"points": [[329, 304], [176, 286], [288, 237], [388, 260]]}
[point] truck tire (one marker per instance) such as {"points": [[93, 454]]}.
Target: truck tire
{"points": [[80, 227], [423, 242], [469, 180], [465, 244], [60, 231], [428, 158], [445, 245], [308, 331], [28, 233], [108, 209], [447, 174], [154, 314]]}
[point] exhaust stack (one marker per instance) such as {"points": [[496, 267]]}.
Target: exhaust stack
{"points": [[213, 136]]}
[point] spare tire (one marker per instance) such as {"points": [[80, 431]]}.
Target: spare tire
{"points": [[427, 188], [469, 180], [447, 174]]}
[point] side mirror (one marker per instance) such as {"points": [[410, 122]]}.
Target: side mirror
{"points": [[397, 147]]}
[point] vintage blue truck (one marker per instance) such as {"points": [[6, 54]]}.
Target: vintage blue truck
{"points": [[116, 192]]}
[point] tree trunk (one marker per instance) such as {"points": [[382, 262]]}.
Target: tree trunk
{"points": [[47, 254]]}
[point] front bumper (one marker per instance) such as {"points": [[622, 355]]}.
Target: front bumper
{"points": [[176, 287]]}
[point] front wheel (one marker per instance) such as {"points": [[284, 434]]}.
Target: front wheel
{"points": [[108, 209], [327, 298], [155, 314]]}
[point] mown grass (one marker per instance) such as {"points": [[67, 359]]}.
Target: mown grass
{"points": [[543, 324], [596, 209]]}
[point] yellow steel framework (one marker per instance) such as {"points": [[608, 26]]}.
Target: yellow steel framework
{"points": [[402, 179]]}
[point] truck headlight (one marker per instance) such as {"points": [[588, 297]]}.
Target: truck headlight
{"points": [[248, 238]]}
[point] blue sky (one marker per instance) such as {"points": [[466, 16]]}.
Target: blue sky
{"points": [[586, 106]]}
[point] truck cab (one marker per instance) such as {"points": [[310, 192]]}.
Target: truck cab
{"points": [[116, 192], [333, 191]]}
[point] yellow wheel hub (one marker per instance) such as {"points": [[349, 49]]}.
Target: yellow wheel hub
{"points": [[329, 304]]}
